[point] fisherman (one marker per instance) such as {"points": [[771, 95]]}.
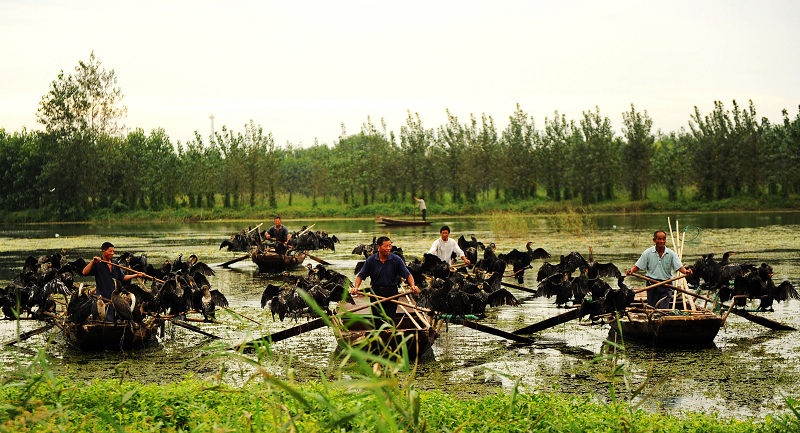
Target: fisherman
{"points": [[385, 270], [279, 232], [444, 247], [107, 277], [659, 262], [421, 204]]}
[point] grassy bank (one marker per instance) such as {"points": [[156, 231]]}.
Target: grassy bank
{"points": [[302, 208]]}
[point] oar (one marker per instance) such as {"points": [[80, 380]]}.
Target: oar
{"points": [[26, 335], [551, 322], [467, 323], [317, 259], [193, 328], [494, 331], [763, 321], [518, 287], [232, 261], [304, 327]]}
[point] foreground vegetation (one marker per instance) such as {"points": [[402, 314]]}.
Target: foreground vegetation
{"points": [[195, 406], [84, 163], [363, 393]]}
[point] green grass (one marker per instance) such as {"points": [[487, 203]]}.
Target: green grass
{"points": [[302, 207], [104, 405]]}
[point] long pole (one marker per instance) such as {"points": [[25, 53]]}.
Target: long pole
{"points": [[660, 283], [132, 270]]}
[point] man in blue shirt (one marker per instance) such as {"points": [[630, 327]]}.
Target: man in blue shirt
{"points": [[659, 262], [279, 232], [107, 277], [385, 271]]}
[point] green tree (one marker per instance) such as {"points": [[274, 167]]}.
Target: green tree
{"points": [[637, 152], [89, 100]]}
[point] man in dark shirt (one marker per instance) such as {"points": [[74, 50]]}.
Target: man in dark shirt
{"points": [[385, 270], [278, 232], [107, 276]]}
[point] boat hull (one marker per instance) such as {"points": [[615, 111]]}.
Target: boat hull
{"points": [[694, 329], [106, 336], [270, 262], [413, 332], [394, 222]]}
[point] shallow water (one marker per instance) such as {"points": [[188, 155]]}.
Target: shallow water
{"points": [[745, 373]]}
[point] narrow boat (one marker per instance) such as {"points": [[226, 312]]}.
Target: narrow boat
{"points": [[112, 336], [413, 328], [269, 261], [394, 222], [666, 327]]}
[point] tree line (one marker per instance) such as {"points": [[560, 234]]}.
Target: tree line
{"points": [[80, 161]]}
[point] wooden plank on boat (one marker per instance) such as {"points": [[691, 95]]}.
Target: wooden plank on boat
{"points": [[551, 322]]}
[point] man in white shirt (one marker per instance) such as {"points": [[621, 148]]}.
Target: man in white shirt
{"points": [[422, 207], [444, 247]]}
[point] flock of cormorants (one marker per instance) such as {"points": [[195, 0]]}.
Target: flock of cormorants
{"points": [[302, 240], [185, 288], [180, 287], [739, 281]]}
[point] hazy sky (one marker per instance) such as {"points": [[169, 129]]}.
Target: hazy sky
{"points": [[301, 69]]}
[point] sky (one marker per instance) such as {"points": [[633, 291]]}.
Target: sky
{"points": [[303, 69]]}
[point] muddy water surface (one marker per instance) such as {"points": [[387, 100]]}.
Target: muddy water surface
{"points": [[745, 373]]}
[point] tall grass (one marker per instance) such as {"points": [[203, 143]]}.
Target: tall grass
{"points": [[574, 222]]}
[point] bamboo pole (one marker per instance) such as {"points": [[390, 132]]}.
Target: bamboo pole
{"points": [[660, 283]]}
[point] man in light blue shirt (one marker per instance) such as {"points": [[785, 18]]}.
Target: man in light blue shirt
{"points": [[659, 262]]}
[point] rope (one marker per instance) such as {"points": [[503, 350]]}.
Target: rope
{"points": [[693, 234]]}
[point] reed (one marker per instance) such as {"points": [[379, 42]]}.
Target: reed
{"points": [[572, 221]]}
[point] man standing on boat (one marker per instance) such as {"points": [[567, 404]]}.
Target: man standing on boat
{"points": [[279, 232], [444, 247], [421, 204], [107, 276], [385, 271], [659, 262]]}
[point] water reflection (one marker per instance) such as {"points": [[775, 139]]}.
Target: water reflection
{"points": [[744, 374]]}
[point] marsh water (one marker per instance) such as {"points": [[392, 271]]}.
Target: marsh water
{"points": [[747, 372]]}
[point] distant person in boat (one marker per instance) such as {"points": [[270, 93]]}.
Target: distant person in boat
{"points": [[659, 262], [421, 205], [385, 270], [107, 277], [444, 247], [279, 232]]}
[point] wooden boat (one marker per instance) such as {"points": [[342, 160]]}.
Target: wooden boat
{"points": [[394, 222], [270, 261], [113, 336], [661, 327], [413, 329]]}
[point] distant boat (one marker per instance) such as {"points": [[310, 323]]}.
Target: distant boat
{"points": [[393, 222]]}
